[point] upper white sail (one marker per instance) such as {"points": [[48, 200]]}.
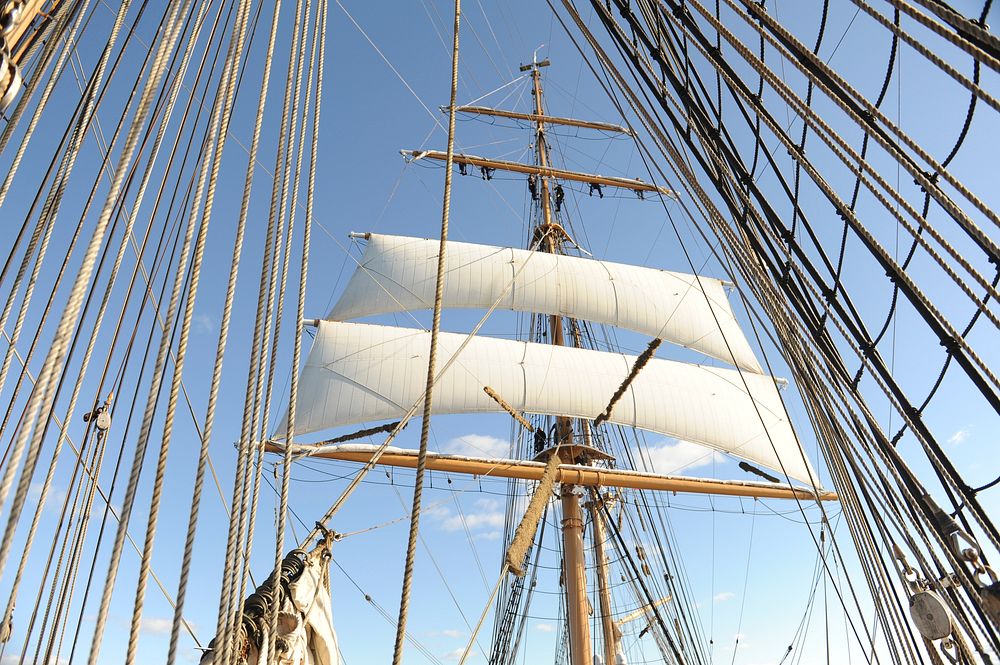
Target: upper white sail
{"points": [[398, 274], [358, 373]]}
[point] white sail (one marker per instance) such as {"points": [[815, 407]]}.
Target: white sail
{"points": [[358, 373], [398, 274]]}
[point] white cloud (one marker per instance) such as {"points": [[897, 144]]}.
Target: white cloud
{"points": [[485, 514], [56, 496], [456, 654], [681, 456], [447, 632], [203, 323], [959, 436], [545, 627], [156, 625], [478, 445], [723, 596]]}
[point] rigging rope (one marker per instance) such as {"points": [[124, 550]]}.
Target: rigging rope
{"points": [[223, 336], [889, 385], [319, 40], [397, 656]]}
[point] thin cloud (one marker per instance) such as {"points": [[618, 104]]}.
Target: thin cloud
{"points": [[456, 654], [478, 445], [204, 323], [545, 627], [156, 625], [959, 436], [681, 456], [723, 596], [447, 632], [15, 659], [485, 514]]}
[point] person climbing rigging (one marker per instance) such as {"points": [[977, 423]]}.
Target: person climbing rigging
{"points": [[539, 440]]}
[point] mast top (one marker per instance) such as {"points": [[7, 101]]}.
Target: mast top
{"points": [[535, 62]]}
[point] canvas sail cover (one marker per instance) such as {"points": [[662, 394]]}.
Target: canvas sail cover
{"points": [[305, 634], [359, 373], [398, 274]]}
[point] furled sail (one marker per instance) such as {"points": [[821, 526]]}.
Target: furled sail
{"points": [[359, 372], [398, 274], [305, 634]]}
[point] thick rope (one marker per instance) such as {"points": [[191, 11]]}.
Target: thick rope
{"points": [[418, 486], [226, 105], [388, 427], [66, 593], [227, 310], [56, 355], [524, 536], [93, 338], [230, 608], [318, 42], [289, 182], [31, 86], [97, 324], [43, 232], [41, 399], [640, 362], [29, 467], [70, 583], [505, 405], [167, 46]]}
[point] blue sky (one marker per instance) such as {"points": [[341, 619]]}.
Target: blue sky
{"points": [[750, 565]]}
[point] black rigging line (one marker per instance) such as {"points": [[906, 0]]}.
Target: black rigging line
{"points": [[665, 108], [829, 351], [811, 315]]}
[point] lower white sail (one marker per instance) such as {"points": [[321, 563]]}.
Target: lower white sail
{"points": [[360, 373]]}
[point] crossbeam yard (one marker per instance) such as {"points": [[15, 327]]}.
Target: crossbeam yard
{"points": [[547, 119], [574, 474], [542, 171]]}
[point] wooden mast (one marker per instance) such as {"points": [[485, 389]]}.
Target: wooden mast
{"points": [[574, 561], [610, 631]]}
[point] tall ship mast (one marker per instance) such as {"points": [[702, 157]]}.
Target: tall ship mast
{"points": [[738, 410], [699, 366]]}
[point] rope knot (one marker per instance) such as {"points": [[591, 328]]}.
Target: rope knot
{"points": [[950, 345]]}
